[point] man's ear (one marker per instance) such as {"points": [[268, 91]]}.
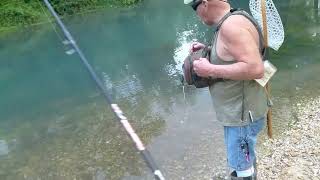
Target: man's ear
{"points": [[205, 3]]}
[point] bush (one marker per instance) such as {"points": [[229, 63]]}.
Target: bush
{"points": [[16, 15], [24, 12]]}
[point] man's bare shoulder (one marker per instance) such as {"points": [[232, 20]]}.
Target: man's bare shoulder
{"points": [[236, 27], [237, 21]]}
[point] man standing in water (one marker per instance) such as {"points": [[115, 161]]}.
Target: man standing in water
{"points": [[236, 59]]}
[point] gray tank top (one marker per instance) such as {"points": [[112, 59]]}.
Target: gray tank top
{"points": [[235, 102]]}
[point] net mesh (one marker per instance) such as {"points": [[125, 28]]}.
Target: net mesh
{"points": [[274, 23]]}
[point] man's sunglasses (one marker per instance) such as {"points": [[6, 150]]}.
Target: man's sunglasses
{"points": [[195, 4]]}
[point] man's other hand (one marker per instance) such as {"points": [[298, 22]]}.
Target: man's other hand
{"points": [[202, 67], [196, 46]]}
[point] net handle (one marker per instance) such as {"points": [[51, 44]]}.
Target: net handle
{"points": [[264, 23], [265, 37]]}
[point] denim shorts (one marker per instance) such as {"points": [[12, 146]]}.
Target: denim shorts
{"points": [[240, 143]]}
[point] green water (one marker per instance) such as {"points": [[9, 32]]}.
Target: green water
{"points": [[54, 124]]}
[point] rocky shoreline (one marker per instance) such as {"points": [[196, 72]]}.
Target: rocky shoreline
{"points": [[296, 153]]}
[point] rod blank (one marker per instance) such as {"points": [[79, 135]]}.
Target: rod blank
{"points": [[116, 109]]}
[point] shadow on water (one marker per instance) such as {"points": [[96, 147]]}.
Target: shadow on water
{"points": [[55, 125]]}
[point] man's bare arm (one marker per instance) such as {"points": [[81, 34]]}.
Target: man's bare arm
{"points": [[242, 46]]}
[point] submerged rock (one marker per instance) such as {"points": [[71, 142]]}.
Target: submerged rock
{"points": [[4, 149], [100, 175]]}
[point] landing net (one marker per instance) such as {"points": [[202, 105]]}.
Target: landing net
{"points": [[274, 23]]}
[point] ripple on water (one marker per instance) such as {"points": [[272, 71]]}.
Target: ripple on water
{"points": [[4, 150]]}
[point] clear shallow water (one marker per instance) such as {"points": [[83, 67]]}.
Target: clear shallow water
{"points": [[55, 125]]}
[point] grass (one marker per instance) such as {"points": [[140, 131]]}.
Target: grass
{"points": [[17, 13]]}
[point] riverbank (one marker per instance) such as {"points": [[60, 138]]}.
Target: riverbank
{"points": [[296, 153], [15, 14]]}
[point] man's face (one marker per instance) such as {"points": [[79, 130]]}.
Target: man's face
{"points": [[202, 10]]}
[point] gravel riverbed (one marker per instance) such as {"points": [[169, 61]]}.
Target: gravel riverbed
{"points": [[295, 154]]}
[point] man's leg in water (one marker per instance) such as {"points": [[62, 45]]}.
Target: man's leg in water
{"points": [[240, 142]]}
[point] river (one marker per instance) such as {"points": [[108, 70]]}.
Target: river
{"points": [[54, 123]]}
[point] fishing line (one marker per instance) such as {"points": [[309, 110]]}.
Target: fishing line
{"points": [[116, 109], [53, 26]]}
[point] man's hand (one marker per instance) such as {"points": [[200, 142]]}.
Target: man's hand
{"points": [[196, 46], [202, 67]]}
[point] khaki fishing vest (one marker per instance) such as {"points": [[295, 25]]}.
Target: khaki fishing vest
{"points": [[235, 101]]}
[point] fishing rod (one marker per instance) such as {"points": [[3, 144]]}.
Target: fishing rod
{"points": [[116, 109]]}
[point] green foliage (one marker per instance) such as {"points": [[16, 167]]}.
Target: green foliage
{"points": [[72, 7], [26, 12], [124, 2], [13, 13]]}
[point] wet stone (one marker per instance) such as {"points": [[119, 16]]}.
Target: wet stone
{"points": [[100, 175], [4, 149]]}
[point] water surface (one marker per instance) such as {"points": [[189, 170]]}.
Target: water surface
{"points": [[54, 124]]}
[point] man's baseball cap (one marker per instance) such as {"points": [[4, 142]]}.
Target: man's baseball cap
{"points": [[188, 1], [193, 3]]}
